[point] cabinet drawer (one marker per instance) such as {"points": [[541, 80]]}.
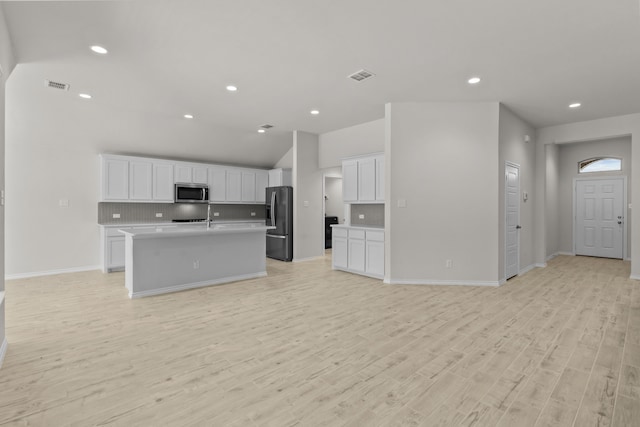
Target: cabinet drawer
{"points": [[113, 231], [376, 236], [356, 234], [339, 232]]}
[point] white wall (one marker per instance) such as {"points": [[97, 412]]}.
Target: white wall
{"points": [[352, 141], [308, 222], [514, 149], [552, 198], [7, 64], [602, 129], [334, 206], [442, 159], [286, 162], [570, 155]]}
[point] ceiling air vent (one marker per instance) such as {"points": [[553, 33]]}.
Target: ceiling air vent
{"points": [[361, 75], [56, 85], [266, 126]]}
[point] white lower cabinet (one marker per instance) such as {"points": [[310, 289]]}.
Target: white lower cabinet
{"points": [[374, 263], [358, 250], [115, 253], [112, 249]]}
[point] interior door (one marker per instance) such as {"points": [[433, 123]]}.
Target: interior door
{"points": [[512, 219], [599, 219]]}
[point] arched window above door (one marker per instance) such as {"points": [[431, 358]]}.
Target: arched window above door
{"points": [[600, 164]]}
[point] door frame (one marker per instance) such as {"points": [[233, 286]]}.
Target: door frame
{"points": [[624, 208], [514, 165]]}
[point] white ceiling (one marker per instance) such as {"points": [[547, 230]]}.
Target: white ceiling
{"points": [[168, 58]]}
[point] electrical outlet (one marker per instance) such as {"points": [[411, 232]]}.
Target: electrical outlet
{"points": [[253, 214], [63, 203], [158, 214], [449, 263], [305, 203], [216, 214], [402, 203], [2, 198], [361, 216], [196, 264], [116, 216]]}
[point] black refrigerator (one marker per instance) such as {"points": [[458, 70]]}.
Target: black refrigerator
{"points": [[279, 205]]}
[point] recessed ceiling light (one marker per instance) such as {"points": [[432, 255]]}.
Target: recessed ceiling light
{"points": [[188, 116], [474, 80], [315, 112], [575, 105], [99, 49], [261, 131], [84, 95], [232, 88]]}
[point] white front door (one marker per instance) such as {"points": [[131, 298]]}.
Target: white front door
{"points": [[599, 219], [512, 219]]}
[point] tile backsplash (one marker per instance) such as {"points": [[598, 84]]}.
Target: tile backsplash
{"points": [[373, 214], [146, 212]]}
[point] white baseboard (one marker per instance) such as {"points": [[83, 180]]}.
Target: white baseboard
{"points": [[51, 272], [177, 288], [308, 259], [3, 350], [552, 256], [541, 264], [634, 277], [445, 282]]}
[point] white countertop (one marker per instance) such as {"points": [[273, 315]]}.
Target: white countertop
{"points": [[360, 227], [181, 224], [194, 229]]}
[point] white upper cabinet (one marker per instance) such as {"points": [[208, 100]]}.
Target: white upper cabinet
{"points": [[183, 173], [115, 179], [262, 182], [191, 173], [367, 179], [217, 184], [280, 177], [234, 185], [140, 180], [199, 174], [350, 180], [363, 179], [248, 186], [163, 181]]}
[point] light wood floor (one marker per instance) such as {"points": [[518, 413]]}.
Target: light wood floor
{"points": [[308, 346]]}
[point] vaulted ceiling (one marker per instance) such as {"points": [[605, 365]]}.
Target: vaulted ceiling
{"points": [[168, 58]]}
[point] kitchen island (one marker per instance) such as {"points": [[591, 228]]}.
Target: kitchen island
{"points": [[169, 259]]}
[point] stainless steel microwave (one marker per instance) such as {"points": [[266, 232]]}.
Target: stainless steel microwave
{"points": [[191, 193]]}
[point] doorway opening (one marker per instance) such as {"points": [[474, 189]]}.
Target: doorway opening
{"points": [[333, 206]]}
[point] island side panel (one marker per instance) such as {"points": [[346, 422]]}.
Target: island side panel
{"points": [[168, 264]]}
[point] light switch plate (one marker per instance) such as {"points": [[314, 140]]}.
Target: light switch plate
{"points": [[63, 203]]}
